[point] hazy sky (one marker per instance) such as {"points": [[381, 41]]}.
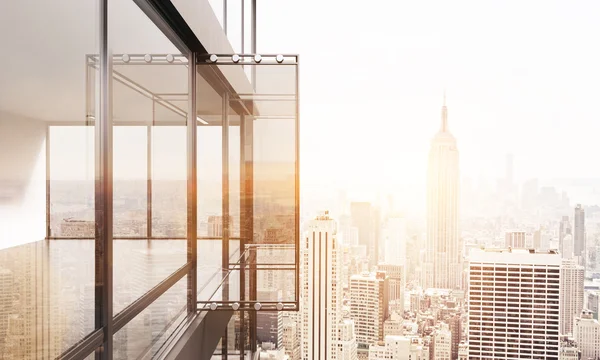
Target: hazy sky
{"points": [[521, 77]]}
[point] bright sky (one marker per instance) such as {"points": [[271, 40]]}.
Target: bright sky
{"points": [[521, 77]]}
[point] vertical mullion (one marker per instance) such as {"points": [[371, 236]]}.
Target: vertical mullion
{"points": [[243, 230], [250, 185], [149, 183], [297, 188], [103, 194], [48, 231], [250, 208], [225, 16], [192, 196], [149, 173], [225, 209]]}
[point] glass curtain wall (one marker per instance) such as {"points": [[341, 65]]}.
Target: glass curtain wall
{"points": [[138, 184]]}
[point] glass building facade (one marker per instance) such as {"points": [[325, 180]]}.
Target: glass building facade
{"points": [[149, 196]]}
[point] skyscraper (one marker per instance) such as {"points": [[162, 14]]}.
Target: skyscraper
{"points": [[563, 230], [441, 343], [442, 267], [515, 239], [291, 340], [396, 280], [362, 218], [579, 234], [587, 335], [369, 307], [513, 304], [395, 241], [346, 340], [571, 294], [321, 290]]}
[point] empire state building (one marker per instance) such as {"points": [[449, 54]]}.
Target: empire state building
{"points": [[442, 267]]}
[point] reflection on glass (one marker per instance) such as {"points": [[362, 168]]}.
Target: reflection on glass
{"points": [[145, 335], [46, 159], [141, 265], [129, 182]]}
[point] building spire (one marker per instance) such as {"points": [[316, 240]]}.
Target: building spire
{"points": [[444, 115]]}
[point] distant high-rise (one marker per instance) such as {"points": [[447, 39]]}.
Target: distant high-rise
{"points": [[568, 247], [579, 234], [395, 241], [441, 343], [514, 239], [321, 290], [362, 217], [346, 340], [587, 335], [564, 229], [442, 267], [369, 307], [514, 305], [269, 324], [571, 294], [396, 280], [291, 338]]}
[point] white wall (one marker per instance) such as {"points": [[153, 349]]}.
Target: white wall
{"points": [[22, 180]]}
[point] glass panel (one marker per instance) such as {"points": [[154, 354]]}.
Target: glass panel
{"points": [[46, 158], [209, 106], [234, 174], [130, 172], [234, 24], [209, 268], [145, 335], [141, 265], [149, 113], [71, 181], [217, 7], [169, 182], [276, 285], [268, 107], [210, 275]]}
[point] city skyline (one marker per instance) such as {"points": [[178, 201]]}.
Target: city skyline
{"points": [[224, 179]]}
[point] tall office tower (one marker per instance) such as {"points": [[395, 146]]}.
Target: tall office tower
{"points": [[441, 343], [563, 230], [455, 325], [442, 267], [579, 234], [537, 239], [269, 324], [291, 338], [587, 336], [568, 247], [346, 340], [513, 302], [571, 294], [395, 241], [529, 194], [362, 218], [514, 239], [396, 348], [368, 307], [377, 250], [321, 290], [396, 280]]}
